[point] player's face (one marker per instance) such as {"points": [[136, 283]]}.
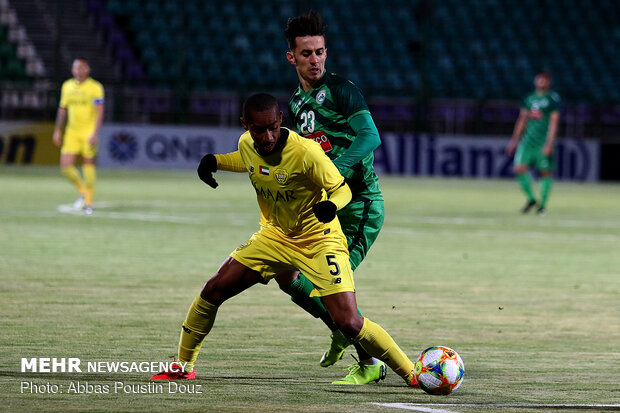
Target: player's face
{"points": [[542, 82], [80, 70], [264, 127], [308, 58]]}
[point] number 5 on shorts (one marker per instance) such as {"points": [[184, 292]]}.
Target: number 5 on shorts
{"points": [[331, 261]]}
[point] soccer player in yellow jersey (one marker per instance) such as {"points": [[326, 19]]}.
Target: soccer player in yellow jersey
{"points": [[298, 190], [80, 113]]}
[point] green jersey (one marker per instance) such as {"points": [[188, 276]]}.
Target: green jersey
{"points": [[323, 114], [539, 109]]}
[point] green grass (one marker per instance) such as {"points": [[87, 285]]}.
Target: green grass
{"points": [[530, 303]]}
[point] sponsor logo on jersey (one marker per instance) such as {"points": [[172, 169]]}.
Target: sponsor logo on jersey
{"points": [[535, 114], [275, 195], [320, 97], [264, 170], [321, 138], [280, 175]]}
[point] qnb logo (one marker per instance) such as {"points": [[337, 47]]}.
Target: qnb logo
{"points": [[123, 147]]}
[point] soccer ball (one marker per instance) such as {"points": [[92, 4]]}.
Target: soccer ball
{"points": [[439, 370]]}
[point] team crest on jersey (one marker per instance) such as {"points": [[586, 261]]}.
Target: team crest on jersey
{"points": [[280, 175], [320, 97]]}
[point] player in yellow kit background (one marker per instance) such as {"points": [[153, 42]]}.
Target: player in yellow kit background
{"points": [[80, 113]]}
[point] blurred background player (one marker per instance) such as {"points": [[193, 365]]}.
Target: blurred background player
{"points": [[292, 178], [80, 113], [533, 140], [331, 110]]}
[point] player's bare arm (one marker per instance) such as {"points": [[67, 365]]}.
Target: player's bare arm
{"points": [[61, 120], [517, 132]]}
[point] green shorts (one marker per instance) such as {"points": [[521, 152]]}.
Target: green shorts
{"points": [[361, 220], [534, 158]]}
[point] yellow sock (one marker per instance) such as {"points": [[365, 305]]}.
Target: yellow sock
{"points": [[90, 177], [74, 177], [196, 326], [378, 343]]}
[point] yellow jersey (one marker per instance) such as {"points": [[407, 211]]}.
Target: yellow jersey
{"points": [[80, 100], [289, 181]]}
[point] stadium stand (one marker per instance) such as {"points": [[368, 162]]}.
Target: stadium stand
{"points": [[482, 49], [446, 66]]}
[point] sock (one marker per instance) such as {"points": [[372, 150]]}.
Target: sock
{"points": [[90, 177], [74, 177], [545, 189], [525, 181], [378, 343], [300, 290], [196, 326]]}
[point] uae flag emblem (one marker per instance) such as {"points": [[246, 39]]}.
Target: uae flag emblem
{"points": [[264, 170]]}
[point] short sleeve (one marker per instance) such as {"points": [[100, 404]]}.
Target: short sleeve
{"points": [[63, 96]]}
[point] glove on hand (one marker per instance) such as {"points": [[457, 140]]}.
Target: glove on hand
{"points": [[325, 211], [208, 165]]}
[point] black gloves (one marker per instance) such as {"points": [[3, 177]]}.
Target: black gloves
{"points": [[208, 165], [325, 211]]}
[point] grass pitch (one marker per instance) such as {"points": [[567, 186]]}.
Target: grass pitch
{"points": [[530, 303]]}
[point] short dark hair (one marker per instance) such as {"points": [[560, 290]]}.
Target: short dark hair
{"points": [[310, 24], [544, 72], [259, 102]]}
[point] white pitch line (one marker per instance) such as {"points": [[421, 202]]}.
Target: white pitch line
{"points": [[411, 406], [421, 407], [100, 212], [136, 216]]}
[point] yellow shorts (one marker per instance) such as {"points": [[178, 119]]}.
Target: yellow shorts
{"points": [[323, 259], [78, 145]]}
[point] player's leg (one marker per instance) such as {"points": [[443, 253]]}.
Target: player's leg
{"points": [[230, 279], [523, 177], [545, 165], [90, 175], [69, 171], [342, 307], [299, 288], [361, 222], [546, 182]]}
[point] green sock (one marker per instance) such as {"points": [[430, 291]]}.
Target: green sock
{"points": [[300, 290], [525, 181], [545, 189]]}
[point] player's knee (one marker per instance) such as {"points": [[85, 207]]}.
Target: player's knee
{"points": [[215, 291], [286, 279], [350, 325]]}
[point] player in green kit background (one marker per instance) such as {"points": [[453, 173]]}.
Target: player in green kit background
{"points": [[332, 111], [533, 140]]}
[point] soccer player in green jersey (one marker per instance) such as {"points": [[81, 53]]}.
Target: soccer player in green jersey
{"points": [[533, 140], [332, 111], [298, 190]]}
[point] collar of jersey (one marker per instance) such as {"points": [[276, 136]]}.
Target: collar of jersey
{"points": [[317, 85]]}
